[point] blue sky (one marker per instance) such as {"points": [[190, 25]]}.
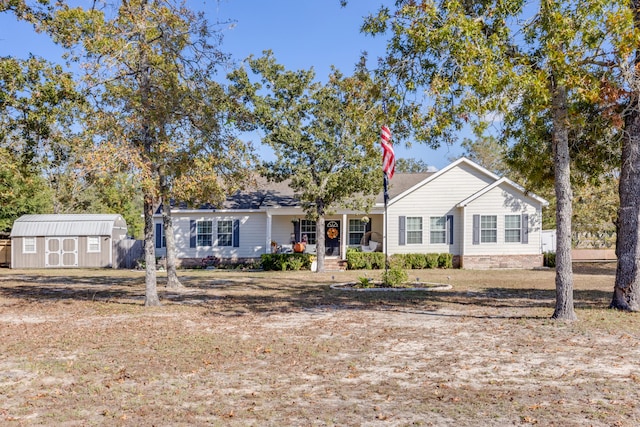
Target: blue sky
{"points": [[301, 33]]}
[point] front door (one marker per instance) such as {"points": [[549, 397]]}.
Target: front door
{"points": [[61, 252], [332, 237]]}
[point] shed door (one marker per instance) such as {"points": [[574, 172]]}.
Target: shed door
{"points": [[61, 252]]}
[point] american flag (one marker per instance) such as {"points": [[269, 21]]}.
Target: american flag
{"points": [[388, 157]]}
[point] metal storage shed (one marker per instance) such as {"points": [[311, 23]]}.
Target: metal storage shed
{"points": [[66, 241]]}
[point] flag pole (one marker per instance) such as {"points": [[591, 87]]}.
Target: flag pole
{"points": [[386, 222]]}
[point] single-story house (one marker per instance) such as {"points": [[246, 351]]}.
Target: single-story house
{"points": [[483, 220], [63, 241]]}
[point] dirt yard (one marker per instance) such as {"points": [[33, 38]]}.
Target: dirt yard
{"points": [[78, 348]]}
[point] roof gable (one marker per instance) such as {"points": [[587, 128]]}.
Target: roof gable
{"points": [[441, 172], [499, 182]]}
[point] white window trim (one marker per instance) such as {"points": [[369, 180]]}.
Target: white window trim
{"points": [[89, 250], [24, 245], [198, 234], [229, 233], [421, 230], [438, 230], [482, 242], [518, 229]]}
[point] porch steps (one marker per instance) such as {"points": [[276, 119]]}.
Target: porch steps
{"points": [[334, 264]]}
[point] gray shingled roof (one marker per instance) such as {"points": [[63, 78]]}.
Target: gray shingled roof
{"points": [[67, 225], [266, 194]]}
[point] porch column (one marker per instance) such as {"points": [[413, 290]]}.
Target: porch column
{"points": [[345, 237], [267, 247]]}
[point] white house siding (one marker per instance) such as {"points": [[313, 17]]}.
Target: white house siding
{"points": [[436, 198], [252, 235], [500, 201]]}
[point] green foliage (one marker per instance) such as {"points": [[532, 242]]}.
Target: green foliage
{"points": [[365, 260], [445, 260], [394, 277], [549, 259], [431, 260], [284, 262], [20, 192], [365, 282], [324, 135], [357, 260], [411, 165]]}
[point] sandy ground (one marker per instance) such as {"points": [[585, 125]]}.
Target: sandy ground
{"points": [[257, 349]]}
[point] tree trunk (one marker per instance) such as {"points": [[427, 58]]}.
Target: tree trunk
{"points": [[151, 292], [564, 271], [626, 288], [627, 283], [167, 222], [320, 243]]}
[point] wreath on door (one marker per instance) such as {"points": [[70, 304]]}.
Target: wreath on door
{"points": [[332, 233]]}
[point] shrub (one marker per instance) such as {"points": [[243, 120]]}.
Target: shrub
{"points": [[357, 260], [431, 260], [415, 261], [445, 260], [394, 277], [283, 262], [549, 259]]}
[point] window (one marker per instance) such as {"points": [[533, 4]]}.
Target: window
{"points": [[414, 230], [308, 228], [93, 244], [204, 230], [29, 245], [488, 229], [357, 228], [438, 231], [512, 228], [225, 233]]}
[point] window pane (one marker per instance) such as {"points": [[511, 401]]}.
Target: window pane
{"points": [[225, 233], [205, 231], [308, 230], [488, 229], [438, 232], [356, 231], [512, 228], [29, 245], [93, 244], [414, 230]]}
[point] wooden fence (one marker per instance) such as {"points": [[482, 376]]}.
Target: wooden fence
{"points": [[126, 253], [5, 252]]}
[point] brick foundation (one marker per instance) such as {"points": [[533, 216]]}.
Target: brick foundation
{"points": [[485, 262]]}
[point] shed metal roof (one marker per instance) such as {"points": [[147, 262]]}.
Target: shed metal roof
{"points": [[67, 225]]}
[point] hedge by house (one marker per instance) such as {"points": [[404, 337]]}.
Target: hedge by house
{"points": [[283, 262], [357, 260]]}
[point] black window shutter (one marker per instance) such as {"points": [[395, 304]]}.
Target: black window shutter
{"points": [[158, 235], [236, 233], [402, 229], [450, 228], [193, 234], [296, 231], [525, 228], [476, 229], [367, 226]]}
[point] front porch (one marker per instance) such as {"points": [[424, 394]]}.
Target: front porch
{"points": [[292, 232]]}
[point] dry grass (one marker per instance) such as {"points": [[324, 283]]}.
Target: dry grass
{"points": [[78, 348]]}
